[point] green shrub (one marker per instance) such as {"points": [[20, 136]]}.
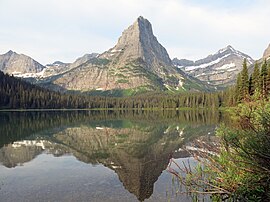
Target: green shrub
{"points": [[122, 81], [241, 170]]}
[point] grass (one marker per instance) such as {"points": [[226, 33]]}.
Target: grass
{"points": [[122, 135], [100, 61], [120, 75], [122, 81]]}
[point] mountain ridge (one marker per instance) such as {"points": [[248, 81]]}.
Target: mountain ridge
{"points": [[219, 69]]}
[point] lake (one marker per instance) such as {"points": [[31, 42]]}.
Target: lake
{"points": [[99, 155]]}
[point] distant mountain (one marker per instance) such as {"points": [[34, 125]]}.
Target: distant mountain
{"points": [[59, 67], [13, 63], [55, 68], [138, 62], [57, 64], [219, 69]]}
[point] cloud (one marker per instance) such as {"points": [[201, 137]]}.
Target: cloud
{"points": [[49, 30]]}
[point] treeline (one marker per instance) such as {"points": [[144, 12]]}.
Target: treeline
{"points": [[248, 88], [18, 94]]}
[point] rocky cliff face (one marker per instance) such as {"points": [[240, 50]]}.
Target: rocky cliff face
{"points": [[220, 68], [266, 53], [138, 41], [13, 63], [265, 57]]}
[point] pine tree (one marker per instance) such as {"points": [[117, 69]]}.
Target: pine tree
{"points": [[268, 81], [256, 79], [245, 81], [238, 89], [263, 77], [251, 85]]}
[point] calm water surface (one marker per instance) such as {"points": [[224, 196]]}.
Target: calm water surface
{"points": [[98, 155]]}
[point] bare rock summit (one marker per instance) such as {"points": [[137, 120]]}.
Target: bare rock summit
{"points": [[13, 63], [138, 41]]}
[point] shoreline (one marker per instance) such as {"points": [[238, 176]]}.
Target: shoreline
{"points": [[115, 109]]}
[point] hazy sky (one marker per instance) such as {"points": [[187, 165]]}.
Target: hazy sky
{"points": [[50, 30]]}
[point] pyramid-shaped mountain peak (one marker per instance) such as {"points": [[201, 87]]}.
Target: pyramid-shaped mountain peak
{"points": [[14, 63], [143, 25], [139, 42], [10, 52]]}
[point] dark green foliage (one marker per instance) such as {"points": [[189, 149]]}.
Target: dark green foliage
{"points": [[239, 170], [245, 158], [257, 86], [263, 78], [244, 81], [268, 81], [251, 85], [120, 75], [15, 93], [243, 84], [99, 61], [238, 89], [122, 81], [255, 79]]}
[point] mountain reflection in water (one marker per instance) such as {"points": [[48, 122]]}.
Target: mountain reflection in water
{"points": [[137, 145]]}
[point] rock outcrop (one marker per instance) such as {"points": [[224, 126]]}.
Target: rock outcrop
{"points": [[266, 53], [138, 41]]}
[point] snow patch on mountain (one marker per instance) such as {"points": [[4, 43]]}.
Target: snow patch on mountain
{"points": [[30, 75], [226, 66], [190, 68]]}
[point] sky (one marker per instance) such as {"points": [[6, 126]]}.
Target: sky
{"points": [[63, 30]]}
